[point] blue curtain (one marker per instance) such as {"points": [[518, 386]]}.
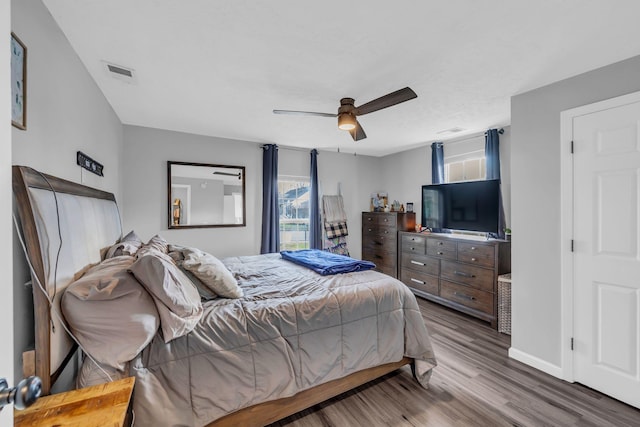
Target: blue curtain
{"points": [[315, 225], [270, 213], [437, 163], [492, 155]]}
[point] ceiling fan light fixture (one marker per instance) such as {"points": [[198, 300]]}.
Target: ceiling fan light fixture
{"points": [[346, 121]]}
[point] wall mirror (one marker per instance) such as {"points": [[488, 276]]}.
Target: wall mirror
{"points": [[205, 195]]}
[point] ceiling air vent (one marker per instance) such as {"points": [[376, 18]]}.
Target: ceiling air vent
{"points": [[121, 73], [451, 130]]}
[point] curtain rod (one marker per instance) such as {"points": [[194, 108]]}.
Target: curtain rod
{"points": [[468, 137]]}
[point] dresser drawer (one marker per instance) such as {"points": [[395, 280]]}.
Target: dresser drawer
{"points": [[420, 263], [380, 242], [370, 230], [476, 254], [420, 281], [369, 219], [414, 244], [380, 257], [477, 277], [469, 297], [386, 219], [389, 271], [441, 249]]}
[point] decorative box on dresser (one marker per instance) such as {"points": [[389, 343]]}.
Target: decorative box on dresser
{"points": [[380, 238], [459, 272]]}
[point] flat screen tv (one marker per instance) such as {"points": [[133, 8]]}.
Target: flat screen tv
{"points": [[470, 206]]}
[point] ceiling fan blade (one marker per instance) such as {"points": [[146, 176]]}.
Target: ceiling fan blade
{"points": [[304, 113], [388, 100], [357, 133]]}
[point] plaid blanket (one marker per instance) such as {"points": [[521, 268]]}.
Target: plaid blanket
{"points": [[336, 229]]}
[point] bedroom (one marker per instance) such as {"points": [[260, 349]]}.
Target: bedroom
{"points": [[67, 113]]}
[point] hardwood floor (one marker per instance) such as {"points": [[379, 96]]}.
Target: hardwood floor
{"points": [[474, 384]]}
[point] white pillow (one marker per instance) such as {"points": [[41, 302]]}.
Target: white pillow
{"points": [[213, 273]]}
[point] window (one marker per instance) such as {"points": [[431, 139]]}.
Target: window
{"points": [[465, 170], [293, 204]]}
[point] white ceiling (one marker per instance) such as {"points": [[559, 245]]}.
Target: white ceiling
{"points": [[220, 67]]}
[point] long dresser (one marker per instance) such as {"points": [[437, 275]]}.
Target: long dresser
{"points": [[461, 273], [380, 238]]}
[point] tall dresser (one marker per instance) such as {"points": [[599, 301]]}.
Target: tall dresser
{"points": [[380, 238], [461, 273]]}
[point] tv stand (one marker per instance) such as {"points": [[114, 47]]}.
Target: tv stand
{"points": [[458, 271]]}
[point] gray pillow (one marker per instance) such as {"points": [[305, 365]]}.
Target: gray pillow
{"points": [[128, 245], [110, 313], [176, 298], [156, 244]]}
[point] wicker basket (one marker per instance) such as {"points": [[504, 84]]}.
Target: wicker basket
{"points": [[504, 304]]}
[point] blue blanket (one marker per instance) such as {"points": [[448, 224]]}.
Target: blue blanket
{"points": [[326, 263]]}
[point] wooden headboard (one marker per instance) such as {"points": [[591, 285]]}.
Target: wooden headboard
{"points": [[66, 227]]}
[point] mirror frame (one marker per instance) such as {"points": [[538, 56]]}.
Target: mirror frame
{"points": [[169, 201]]}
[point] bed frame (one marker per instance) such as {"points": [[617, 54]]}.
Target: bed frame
{"points": [[24, 179]]}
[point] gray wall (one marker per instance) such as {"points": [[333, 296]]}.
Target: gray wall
{"points": [[6, 303], [66, 112], [145, 196], [535, 203]]}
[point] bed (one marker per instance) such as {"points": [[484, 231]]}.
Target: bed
{"points": [[294, 339]]}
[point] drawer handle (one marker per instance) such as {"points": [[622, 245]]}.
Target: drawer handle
{"points": [[440, 253], [461, 295], [440, 243], [417, 263], [370, 230], [386, 232], [460, 273], [378, 256], [417, 281], [473, 248], [369, 219], [473, 259]]}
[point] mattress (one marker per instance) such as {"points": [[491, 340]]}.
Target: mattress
{"points": [[292, 330]]}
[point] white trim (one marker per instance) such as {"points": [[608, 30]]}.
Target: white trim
{"points": [[566, 226], [535, 362], [470, 155], [300, 178]]}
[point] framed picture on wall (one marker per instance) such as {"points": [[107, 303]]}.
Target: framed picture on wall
{"points": [[409, 207], [18, 83]]}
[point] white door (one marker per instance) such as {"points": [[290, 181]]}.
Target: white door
{"points": [[607, 251]]}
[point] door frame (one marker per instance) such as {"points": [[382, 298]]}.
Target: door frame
{"points": [[567, 223]]}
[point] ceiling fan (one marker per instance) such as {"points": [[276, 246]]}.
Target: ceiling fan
{"points": [[348, 112]]}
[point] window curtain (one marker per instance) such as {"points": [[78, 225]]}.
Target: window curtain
{"points": [[270, 212], [492, 156], [315, 226], [437, 163]]}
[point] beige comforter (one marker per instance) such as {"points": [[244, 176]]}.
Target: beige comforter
{"points": [[292, 330]]}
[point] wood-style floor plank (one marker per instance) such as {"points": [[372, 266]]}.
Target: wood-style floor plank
{"points": [[474, 384]]}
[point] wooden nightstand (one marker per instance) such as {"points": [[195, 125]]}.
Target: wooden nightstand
{"points": [[100, 405]]}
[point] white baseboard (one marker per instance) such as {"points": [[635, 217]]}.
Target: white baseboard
{"points": [[536, 362]]}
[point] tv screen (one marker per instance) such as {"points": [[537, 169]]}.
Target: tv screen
{"points": [[470, 206]]}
